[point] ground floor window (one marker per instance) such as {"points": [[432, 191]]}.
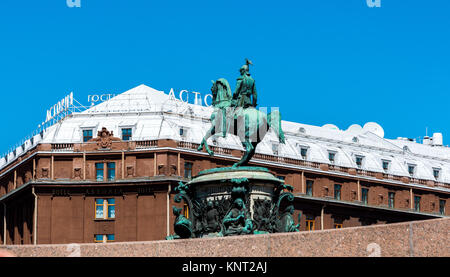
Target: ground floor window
{"points": [[310, 222], [104, 238], [442, 207]]}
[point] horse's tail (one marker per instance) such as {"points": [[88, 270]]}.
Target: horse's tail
{"points": [[274, 122]]}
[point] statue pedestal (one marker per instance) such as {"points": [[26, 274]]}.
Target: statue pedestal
{"points": [[218, 183], [234, 201]]}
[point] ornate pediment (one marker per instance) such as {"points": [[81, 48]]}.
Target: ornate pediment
{"points": [[105, 138]]}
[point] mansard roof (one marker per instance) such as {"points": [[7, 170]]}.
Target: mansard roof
{"points": [[153, 114]]}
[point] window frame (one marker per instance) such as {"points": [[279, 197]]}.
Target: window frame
{"points": [[108, 170], [301, 148], [102, 170], [438, 170], [388, 162], [309, 183], [188, 169], [333, 154], [337, 188], [122, 133], [275, 148], [86, 130], [391, 200], [365, 200], [105, 208], [361, 165], [442, 203], [105, 238], [310, 221], [417, 199], [414, 167], [338, 225]]}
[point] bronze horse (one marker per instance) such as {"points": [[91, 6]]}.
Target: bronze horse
{"points": [[249, 124]]}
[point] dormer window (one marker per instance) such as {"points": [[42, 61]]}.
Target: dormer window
{"points": [[436, 173], [127, 134], [332, 156], [87, 135], [183, 131], [275, 148], [411, 169], [304, 152], [385, 164], [359, 161]]}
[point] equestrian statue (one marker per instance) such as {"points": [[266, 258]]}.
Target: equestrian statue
{"points": [[237, 114]]}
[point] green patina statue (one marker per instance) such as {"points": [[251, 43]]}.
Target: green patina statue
{"points": [[236, 221], [238, 115], [287, 220], [183, 226], [245, 94]]}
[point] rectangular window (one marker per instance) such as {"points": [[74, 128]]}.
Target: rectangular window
{"points": [[275, 148], [442, 207], [391, 198], [436, 172], [309, 187], [364, 195], [99, 208], [359, 161], [111, 204], [385, 165], [417, 203], [105, 208], [111, 171], [99, 169], [87, 135], [337, 191], [182, 131], [110, 238], [98, 238], [126, 134], [303, 152], [411, 169], [104, 238], [310, 222], [187, 170], [331, 156]]}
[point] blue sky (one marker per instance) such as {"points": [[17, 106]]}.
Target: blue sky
{"points": [[329, 61]]}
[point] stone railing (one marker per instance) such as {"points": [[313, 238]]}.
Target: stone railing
{"points": [[143, 144], [365, 172], [188, 145], [418, 181], [392, 177], [338, 168], [62, 147], [305, 163], [220, 150]]}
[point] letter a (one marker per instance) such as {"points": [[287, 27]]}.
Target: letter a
{"points": [[74, 3], [374, 3]]}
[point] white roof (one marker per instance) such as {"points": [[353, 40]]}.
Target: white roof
{"points": [[152, 114]]}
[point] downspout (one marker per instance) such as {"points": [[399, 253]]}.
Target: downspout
{"points": [[35, 216]]}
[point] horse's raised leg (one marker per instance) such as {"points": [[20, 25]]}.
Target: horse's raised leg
{"points": [[208, 134], [249, 151]]}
